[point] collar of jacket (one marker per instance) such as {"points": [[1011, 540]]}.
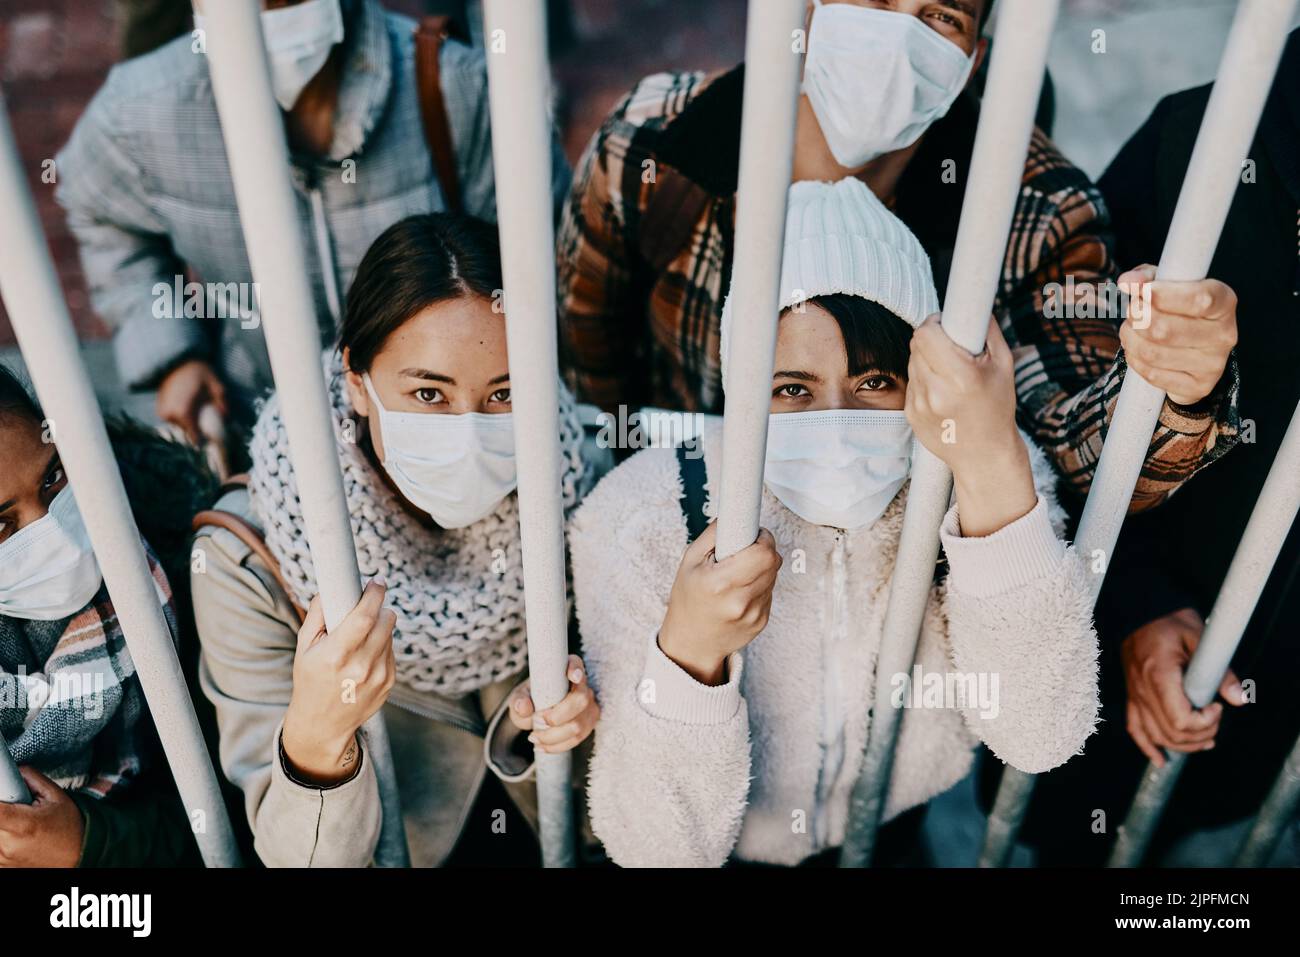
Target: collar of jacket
{"points": [[703, 144], [367, 76]]}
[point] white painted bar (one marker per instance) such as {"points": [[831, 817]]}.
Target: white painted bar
{"points": [[1276, 814], [253, 128], [1270, 523], [1246, 71], [13, 789], [773, 64], [1250, 59], [518, 90], [997, 166], [32, 295]]}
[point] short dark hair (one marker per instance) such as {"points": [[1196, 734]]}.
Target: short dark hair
{"points": [[15, 400], [421, 260], [874, 337]]}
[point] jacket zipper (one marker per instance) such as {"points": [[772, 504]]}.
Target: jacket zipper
{"points": [[832, 731], [435, 714]]}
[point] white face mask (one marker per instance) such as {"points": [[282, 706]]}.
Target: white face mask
{"points": [[839, 468], [457, 468], [48, 569], [876, 80], [298, 42]]}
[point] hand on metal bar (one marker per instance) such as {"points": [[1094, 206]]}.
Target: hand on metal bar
{"points": [[963, 409], [320, 738], [561, 727], [1178, 335], [1158, 713], [46, 830], [718, 606]]}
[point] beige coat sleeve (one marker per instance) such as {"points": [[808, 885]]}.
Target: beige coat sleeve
{"points": [[247, 629]]}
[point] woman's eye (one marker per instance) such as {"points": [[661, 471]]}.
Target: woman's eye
{"points": [[947, 19], [792, 391], [53, 479], [428, 396], [501, 395], [877, 383]]}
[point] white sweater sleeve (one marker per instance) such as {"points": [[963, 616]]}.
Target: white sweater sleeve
{"points": [[669, 773], [1020, 615]]}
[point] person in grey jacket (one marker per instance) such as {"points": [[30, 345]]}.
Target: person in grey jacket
{"points": [[420, 395], [148, 194], [737, 693]]}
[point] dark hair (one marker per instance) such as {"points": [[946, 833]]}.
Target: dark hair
{"points": [[874, 337], [421, 260], [15, 400], [984, 17]]}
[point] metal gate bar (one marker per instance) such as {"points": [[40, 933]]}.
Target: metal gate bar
{"points": [[518, 90], [1245, 74], [1269, 525], [31, 292], [997, 167], [771, 97], [253, 130]]}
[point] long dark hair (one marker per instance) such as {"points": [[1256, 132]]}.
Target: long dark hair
{"points": [[15, 400], [421, 260], [874, 337]]}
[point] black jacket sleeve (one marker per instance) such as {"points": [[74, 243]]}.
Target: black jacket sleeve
{"points": [[145, 827]]}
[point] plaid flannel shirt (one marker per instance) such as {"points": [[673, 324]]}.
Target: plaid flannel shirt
{"points": [[637, 330]]}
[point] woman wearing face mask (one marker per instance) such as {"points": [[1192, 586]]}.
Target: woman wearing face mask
{"points": [[737, 694], [420, 391], [72, 712]]}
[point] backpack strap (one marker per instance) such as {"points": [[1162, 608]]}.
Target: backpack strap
{"points": [[429, 36], [249, 534], [694, 478]]}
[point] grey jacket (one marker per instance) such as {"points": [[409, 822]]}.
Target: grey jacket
{"points": [[441, 747], [147, 190]]}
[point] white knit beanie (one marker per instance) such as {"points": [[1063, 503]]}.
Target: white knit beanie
{"points": [[839, 238]]}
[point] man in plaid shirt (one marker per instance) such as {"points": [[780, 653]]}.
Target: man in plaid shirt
{"points": [[646, 243]]}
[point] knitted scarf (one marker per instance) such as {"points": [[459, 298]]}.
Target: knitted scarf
{"points": [[458, 593], [71, 704]]}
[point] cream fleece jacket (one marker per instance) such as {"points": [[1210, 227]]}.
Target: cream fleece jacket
{"points": [[761, 768]]}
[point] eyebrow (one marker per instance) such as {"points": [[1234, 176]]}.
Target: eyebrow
{"points": [[961, 6], [800, 376], [439, 377], [49, 467], [428, 374]]}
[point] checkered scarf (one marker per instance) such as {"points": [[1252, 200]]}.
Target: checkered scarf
{"points": [[71, 704]]}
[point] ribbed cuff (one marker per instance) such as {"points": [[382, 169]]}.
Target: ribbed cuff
{"points": [[1013, 556], [667, 691], [502, 760]]}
